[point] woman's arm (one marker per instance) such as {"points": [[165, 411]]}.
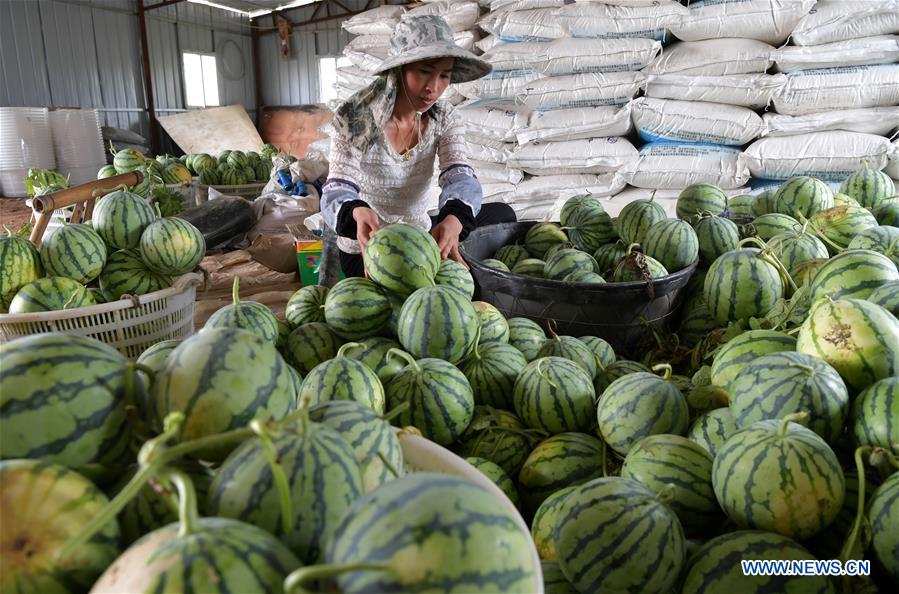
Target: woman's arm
{"points": [[461, 192], [340, 194]]}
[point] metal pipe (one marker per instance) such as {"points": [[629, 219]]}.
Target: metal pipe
{"points": [[148, 82]]}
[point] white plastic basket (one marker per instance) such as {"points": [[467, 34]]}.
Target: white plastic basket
{"points": [[248, 191], [131, 324]]}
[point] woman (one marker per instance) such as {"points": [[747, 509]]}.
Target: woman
{"points": [[385, 142]]}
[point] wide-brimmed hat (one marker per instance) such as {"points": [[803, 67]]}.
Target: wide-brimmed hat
{"points": [[428, 37]]}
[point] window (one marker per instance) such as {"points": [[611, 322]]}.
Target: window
{"points": [[327, 76], [201, 86]]}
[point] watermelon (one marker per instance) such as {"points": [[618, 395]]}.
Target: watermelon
{"points": [[495, 264], [373, 440], [499, 436], [566, 261], [374, 355], [456, 275], [438, 322], [126, 274], [637, 405], [563, 460], [583, 276], [887, 297], [636, 218], [546, 518], [739, 208], [155, 356], [868, 187], [588, 224], [555, 395], [491, 370], [716, 567], [618, 369], [638, 267], [530, 267], [210, 177], [497, 476], [777, 475], [75, 252], [611, 531], [432, 533], [741, 350], [357, 308], [772, 224], [201, 162], [20, 264], [764, 203], [566, 213], [402, 258], [681, 470], [343, 378], [541, 237], [840, 224], [699, 199], [120, 219], [883, 512], [245, 315], [127, 160], [510, 255], [311, 344], [840, 199], [793, 248], [875, 415], [779, 384], [441, 402], [888, 213], [803, 195], [172, 246], [554, 581], [608, 256], [883, 239], [804, 273], [43, 505], [527, 336], [742, 284], [106, 171], [572, 349], [207, 378], [672, 243], [306, 305], [716, 235], [605, 356], [854, 274], [711, 429], [493, 326], [696, 325], [52, 293]]}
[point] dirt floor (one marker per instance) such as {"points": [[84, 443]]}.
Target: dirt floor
{"points": [[13, 213]]}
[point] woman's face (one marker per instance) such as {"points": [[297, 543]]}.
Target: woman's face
{"points": [[426, 81]]}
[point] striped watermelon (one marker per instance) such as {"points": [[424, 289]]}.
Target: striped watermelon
{"points": [[739, 208], [673, 243], [608, 256], [357, 308], [172, 246], [857, 338], [777, 475], [883, 513], [555, 395], [566, 213], [840, 199], [374, 355], [120, 218], [887, 297], [530, 267], [803, 195], [583, 276], [829, 543], [868, 187], [840, 224], [20, 264], [75, 252], [127, 160], [793, 248], [491, 370], [311, 344], [497, 476], [696, 325], [510, 255], [888, 213], [527, 336], [402, 258], [567, 261], [883, 239], [772, 224], [780, 384], [681, 470], [716, 235], [637, 217], [588, 225], [126, 274], [456, 275], [322, 474], [495, 264], [742, 284], [373, 440], [546, 519], [245, 315], [716, 567], [563, 460], [572, 349], [543, 236], [554, 581], [764, 203], [557, 247], [854, 274], [52, 293], [615, 536], [438, 322], [207, 378], [699, 199], [711, 429], [605, 356], [493, 326], [875, 415], [805, 272], [637, 405], [743, 349], [618, 369], [155, 356], [441, 402], [106, 171], [436, 533], [343, 378], [306, 305], [43, 505], [499, 436], [636, 266]]}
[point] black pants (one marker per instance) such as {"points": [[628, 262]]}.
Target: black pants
{"points": [[491, 214]]}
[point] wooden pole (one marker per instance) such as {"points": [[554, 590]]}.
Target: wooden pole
{"points": [[148, 81]]}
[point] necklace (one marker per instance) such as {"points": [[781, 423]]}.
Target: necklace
{"points": [[407, 154]]}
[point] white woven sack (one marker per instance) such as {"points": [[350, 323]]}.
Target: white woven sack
{"points": [[458, 14], [581, 90], [747, 90], [472, 137], [601, 184], [539, 24], [770, 21], [502, 84], [487, 43], [606, 20], [873, 120], [466, 39], [892, 167], [713, 57], [695, 121], [577, 123], [830, 155], [352, 77], [514, 56], [828, 89], [377, 21], [379, 44], [850, 19], [495, 173], [497, 191], [674, 165], [489, 154], [882, 49], [494, 119], [576, 55], [592, 155], [507, 5]]}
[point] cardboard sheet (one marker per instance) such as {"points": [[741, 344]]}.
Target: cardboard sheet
{"points": [[213, 130]]}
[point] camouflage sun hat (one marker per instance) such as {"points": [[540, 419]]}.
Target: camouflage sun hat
{"points": [[427, 37]]}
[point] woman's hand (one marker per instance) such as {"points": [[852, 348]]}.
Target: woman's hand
{"points": [[366, 224], [446, 233]]}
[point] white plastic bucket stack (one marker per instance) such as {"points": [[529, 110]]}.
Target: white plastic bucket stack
{"points": [[25, 142], [78, 144]]}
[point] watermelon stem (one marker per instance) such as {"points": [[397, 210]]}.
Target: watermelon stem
{"points": [[820, 235], [235, 290], [395, 412], [280, 478], [388, 465], [663, 367], [294, 582], [347, 346], [188, 516], [409, 359], [853, 540], [791, 418]]}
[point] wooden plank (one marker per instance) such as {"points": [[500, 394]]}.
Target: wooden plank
{"points": [[213, 130]]}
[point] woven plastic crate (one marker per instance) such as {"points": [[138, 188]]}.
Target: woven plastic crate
{"points": [[248, 191]]}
